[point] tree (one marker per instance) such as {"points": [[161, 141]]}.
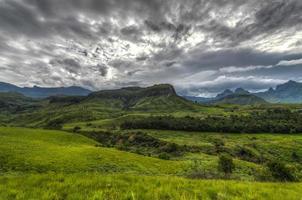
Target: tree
{"points": [[225, 164]]}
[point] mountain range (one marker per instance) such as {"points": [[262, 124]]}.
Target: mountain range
{"points": [[43, 92], [289, 92], [53, 111]]}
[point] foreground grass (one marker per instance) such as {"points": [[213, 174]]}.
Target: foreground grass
{"points": [[96, 186]]}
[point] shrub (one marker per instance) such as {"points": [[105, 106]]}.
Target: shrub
{"points": [[280, 171], [170, 148], [76, 129], [164, 156], [3, 163], [225, 164], [295, 156], [248, 154], [219, 145]]}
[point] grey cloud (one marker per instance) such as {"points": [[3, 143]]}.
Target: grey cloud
{"points": [[129, 30], [270, 16], [112, 43], [233, 57], [103, 70], [69, 64]]}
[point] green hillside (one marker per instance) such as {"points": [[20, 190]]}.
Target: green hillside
{"points": [[157, 97], [34, 150], [53, 112], [104, 142], [70, 166]]}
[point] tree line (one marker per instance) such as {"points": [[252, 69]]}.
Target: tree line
{"points": [[277, 120]]}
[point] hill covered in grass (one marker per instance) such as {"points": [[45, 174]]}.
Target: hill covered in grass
{"points": [[157, 97], [53, 112], [43, 164], [33, 150]]}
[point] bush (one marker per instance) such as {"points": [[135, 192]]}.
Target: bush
{"points": [[295, 157], [248, 154], [170, 148], [164, 156], [219, 145], [225, 164], [76, 129], [280, 171]]}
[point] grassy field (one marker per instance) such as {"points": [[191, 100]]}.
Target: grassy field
{"points": [[97, 186], [51, 164], [268, 146], [34, 150]]}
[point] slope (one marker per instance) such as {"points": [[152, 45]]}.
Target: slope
{"points": [[33, 150]]}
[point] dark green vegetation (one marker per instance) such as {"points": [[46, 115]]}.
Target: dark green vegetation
{"points": [[147, 143], [273, 120]]}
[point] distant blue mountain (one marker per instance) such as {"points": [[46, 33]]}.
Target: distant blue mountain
{"points": [[289, 92], [198, 99], [41, 92]]}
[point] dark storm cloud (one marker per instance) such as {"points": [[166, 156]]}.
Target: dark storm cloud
{"points": [[110, 43], [235, 57], [271, 16]]}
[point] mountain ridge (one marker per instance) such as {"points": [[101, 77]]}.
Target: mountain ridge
{"points": [[44, 92], [288, 92]]}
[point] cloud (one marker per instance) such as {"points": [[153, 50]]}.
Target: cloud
{"points": [[234, 69], [290, 62], [194, 44]]}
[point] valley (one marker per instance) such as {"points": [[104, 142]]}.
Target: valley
{"points": [[109, 142]]}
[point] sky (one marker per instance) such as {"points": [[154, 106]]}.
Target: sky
{"points": [[200, 46]]}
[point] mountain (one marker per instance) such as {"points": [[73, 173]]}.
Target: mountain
{"points": [[54, 111], [197, 99], [225, 93], [240, 99], [206, 100], [289, 92], [16, 102], [241, 91], [40, 92], [157, 97]]}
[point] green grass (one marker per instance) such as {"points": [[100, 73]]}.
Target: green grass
{"points": [[124, 187], [279, 146], [36, 150], [49, 164]]}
